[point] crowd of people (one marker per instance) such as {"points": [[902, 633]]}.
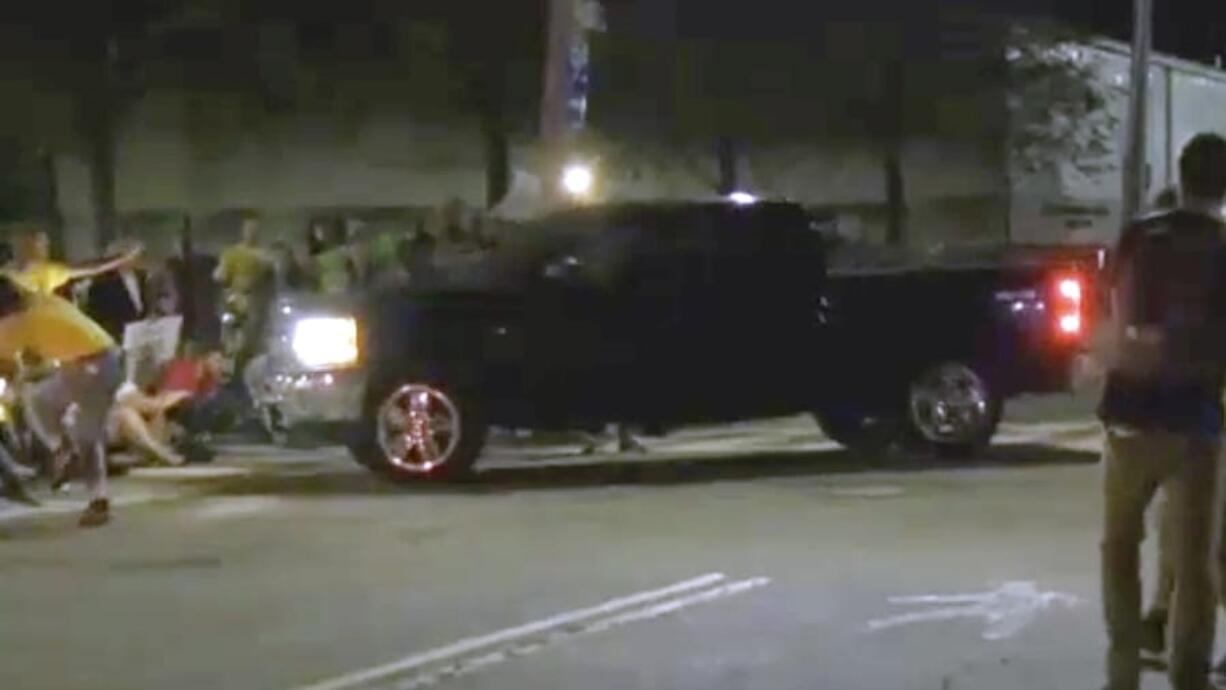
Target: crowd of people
{"points": [[81, 396]]}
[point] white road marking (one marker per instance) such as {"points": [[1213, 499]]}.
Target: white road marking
{"points": [[189, 472], [471, 644], [554, 637], [1005, 610]]}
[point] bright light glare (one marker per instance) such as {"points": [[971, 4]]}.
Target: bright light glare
{"points": [[1070, 289], [577, 180], [742, 198], [325, 341], [1070, 323]]}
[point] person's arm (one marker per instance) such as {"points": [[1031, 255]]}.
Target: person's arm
{"points": [[221, 274], [106, 265]]}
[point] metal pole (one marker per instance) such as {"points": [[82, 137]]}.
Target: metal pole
{"points": [[1138, 101], [560, 35]]}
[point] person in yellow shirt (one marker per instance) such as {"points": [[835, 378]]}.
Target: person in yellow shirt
{"points": [[35, 271], [69, 407], [243, 271], [243, 266]]}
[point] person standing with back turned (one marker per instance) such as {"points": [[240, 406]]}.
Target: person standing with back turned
{"points": [[1162, 411]]}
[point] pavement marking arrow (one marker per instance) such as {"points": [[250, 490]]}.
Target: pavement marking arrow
{"points": [[1005, 610]]}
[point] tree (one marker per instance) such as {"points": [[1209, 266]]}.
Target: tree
{"points": [[1059, 106]]}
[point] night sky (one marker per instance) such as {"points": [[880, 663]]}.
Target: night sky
{"points": [[1194, 29]]}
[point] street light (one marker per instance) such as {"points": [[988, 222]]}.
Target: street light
{"points": [[578, 179]]}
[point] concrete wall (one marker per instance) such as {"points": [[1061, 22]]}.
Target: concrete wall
{"points": [[286, 168]]}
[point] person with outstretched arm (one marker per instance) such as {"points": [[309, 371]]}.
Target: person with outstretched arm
{"points": [[68, 408], [35, 271]]}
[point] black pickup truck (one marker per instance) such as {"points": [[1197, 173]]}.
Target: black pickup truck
{"points": [[668, 314]]}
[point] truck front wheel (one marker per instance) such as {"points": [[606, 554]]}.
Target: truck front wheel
{"points": [[953, 409], [420, 431]]}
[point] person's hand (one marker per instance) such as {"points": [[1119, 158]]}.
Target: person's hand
{"points": [[133, 252]]}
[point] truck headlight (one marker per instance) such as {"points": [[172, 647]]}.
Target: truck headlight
{"points": [[322, 342]]}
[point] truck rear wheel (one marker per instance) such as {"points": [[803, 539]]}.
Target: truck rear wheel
{"points": [[952, 409], [420, 431]]}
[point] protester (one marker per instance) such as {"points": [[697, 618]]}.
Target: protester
{"points": [[68, 409], [12, 475], [1162, 410], [34, 271], [1153, 634], [196, 294], [243, 273], [118, 298], [334, 267], [418, 259], [289, 273], [198, 375], [138, 420]]}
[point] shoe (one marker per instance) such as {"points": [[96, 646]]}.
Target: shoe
{"points": [[1153, 632], [96, 514]]}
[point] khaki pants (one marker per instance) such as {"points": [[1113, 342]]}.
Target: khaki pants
{"points": [[1135, 465], [1164, 586]]}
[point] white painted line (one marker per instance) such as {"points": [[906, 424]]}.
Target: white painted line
{"points": [[189, 472], [471, 644], [518, 649], [1005, 611]]}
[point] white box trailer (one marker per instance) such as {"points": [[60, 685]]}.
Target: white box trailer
{"points": [[1069, 206]]}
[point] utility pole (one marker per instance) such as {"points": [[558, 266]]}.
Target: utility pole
{"points": [[564, 100], [1138, 103], [554, 131]]}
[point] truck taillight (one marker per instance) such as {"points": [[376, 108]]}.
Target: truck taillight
{"points": [[1069, 294]]}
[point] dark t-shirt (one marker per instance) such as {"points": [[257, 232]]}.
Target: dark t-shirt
{"points": [[1191, 272]]}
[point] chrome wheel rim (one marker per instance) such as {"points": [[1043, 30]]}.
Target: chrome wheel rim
{"points": [[418, 428], [950, 404]]}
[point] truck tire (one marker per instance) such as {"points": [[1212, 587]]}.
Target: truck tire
{"points": [[952, 409], [418, 431], [860, 430]]}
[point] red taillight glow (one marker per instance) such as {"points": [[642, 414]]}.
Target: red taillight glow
{"points": [[1069, 294], [1070, 289], [1070, 324]]}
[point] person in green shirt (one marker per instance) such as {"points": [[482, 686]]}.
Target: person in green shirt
{"points": [[332, 266]]}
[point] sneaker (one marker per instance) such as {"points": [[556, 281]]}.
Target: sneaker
{"points": [[1153, 632], [96, 514]]}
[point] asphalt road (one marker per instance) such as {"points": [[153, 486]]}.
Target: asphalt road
{"points": [[755, 556]]}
